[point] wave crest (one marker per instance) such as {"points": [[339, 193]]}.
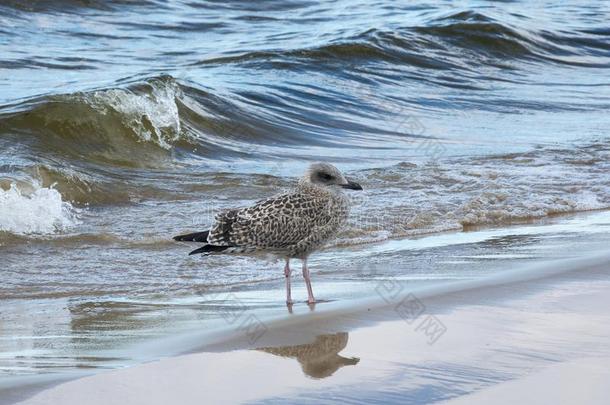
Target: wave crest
{"points": [[152, 116], [133, 127]]}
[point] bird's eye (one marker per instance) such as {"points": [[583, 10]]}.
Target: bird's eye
{"points": [[325, 176]]}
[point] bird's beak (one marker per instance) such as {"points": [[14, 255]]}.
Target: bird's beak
{"points": [[352, 185]]}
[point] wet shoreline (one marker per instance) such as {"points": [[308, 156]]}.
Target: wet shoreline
{"points": [[105, 330]]}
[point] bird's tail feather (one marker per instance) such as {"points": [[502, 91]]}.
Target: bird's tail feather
{"points": [[209, 249], [193, 237]]}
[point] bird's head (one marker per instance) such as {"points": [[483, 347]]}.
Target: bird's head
{"points": [[327, 175]]}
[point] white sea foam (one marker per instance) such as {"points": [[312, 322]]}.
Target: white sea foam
{"points": [[409, 199], [153, 117], [40, 212]]}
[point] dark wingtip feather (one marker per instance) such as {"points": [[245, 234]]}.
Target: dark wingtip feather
{"points": [[209, 249]]}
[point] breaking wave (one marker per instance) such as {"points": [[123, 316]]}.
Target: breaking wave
{"points": [[41, 211], [153, 116], [119, 126]]}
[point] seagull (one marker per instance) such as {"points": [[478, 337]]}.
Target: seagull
{"points": [[291, 225]]}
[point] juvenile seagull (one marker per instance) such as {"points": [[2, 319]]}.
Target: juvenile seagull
{"points": [[291, 225]]}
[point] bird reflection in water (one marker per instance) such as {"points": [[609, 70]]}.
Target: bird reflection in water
{"points": [[319, 359]]}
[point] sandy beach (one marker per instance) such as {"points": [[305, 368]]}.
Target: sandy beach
{"points": [[536, 334], [572, 382]]}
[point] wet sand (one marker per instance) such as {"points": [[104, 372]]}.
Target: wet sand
{"points": [[582, 381], [474, 339]]}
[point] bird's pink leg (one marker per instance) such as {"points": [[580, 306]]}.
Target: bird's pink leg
{"points": [[310, 298], [287, 272]]}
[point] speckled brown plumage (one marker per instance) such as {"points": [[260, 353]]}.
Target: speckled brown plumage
{"points": [[292, 224]]}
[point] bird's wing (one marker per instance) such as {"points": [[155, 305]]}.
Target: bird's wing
{"points": [[275, 223]]}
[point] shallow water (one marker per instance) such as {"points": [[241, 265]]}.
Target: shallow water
{"points": [[125, 123]]}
